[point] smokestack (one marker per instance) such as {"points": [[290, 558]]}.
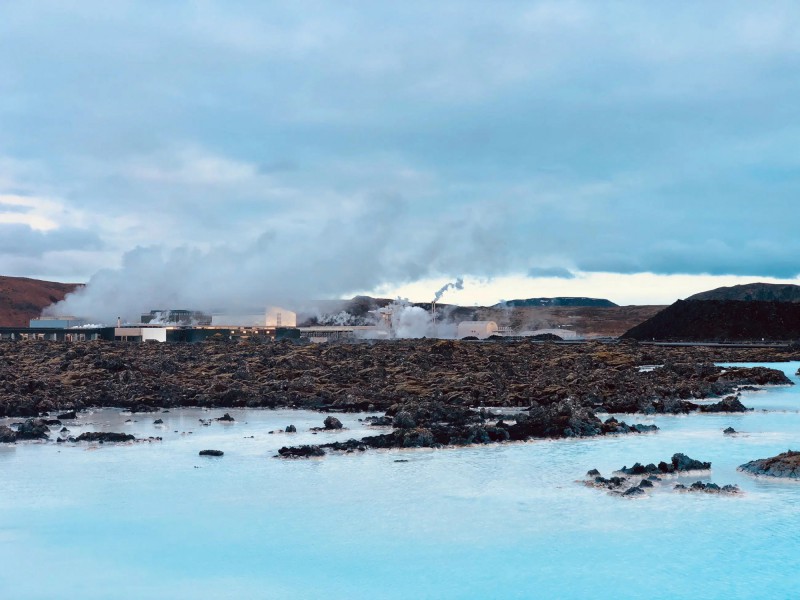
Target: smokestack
{"points": [[119, 321]]}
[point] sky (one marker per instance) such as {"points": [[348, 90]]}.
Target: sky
{"points": [[223, 154]]}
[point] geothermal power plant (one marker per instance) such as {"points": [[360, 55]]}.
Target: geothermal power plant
{"points": [[398, 320]]}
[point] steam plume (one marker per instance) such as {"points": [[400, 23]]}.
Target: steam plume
{"points": [[458, 284]]}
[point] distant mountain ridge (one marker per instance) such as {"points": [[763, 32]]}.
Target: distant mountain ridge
{"points": [[571, 301], [22, 299], [753, 292]]}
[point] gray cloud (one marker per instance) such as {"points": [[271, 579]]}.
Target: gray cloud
{"points": [[401, 140], [22, 241]]}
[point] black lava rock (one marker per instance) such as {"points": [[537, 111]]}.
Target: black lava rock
{"points": [[300, 452], [332, 423], [7, 435], [33, 429], [211, 453], [103, 436]]}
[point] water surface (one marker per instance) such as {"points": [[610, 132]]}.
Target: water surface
{"points": [[155, 520]]}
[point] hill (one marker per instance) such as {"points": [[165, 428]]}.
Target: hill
{"points": [[761, 292], [721, 320], [560, 301], [22, 299]]}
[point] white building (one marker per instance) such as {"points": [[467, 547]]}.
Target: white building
{"points": [[478, 329], [140, 334]]}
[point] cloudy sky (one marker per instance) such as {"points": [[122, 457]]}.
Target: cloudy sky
{"points": [[190, 152]]}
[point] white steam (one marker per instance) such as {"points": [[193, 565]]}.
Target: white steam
{"points": [[293, 265], [458, 284]]}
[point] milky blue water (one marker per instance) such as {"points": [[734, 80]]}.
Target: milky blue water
{"points": [[510, 521]]}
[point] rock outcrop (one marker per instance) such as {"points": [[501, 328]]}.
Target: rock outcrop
{"points": [[33, 429], [332, 423], [103, 437], [708, 488], [786, 465], [301, 452], [211, 453], [727, 404], [680, 463], [7, 435]]}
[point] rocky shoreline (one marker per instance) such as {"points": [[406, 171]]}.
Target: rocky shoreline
{"points": [[432, 392]]}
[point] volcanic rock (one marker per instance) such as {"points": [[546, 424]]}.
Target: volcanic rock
{"points": [[158, 422], [708, 488], [332, 423], [225, 418], [348, 446], [679, 463], [783, 465], [403, 420], [7, 435], [633, 492], [211, 453], [33, 429], [291, 429], [103, 436], [68, 415], [729, 431], [305, 451], [727, 404]]}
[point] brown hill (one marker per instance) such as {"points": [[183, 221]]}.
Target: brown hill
{"points": [[22, 299]]}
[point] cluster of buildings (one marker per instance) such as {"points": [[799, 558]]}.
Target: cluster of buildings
{"points": [[193, 326]]}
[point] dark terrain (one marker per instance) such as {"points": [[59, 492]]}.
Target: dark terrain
{"points": [[721, 320], [432, 392], [753, 292], [742, 313]]}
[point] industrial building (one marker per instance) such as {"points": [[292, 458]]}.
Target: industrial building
{"points": [[56, 322], [326, 333], [478, 329], [272, 317], [56, 334], [176, 317]]}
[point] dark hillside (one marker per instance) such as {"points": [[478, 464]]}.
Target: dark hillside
{"points": [[761, 292], [721, 320]]}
